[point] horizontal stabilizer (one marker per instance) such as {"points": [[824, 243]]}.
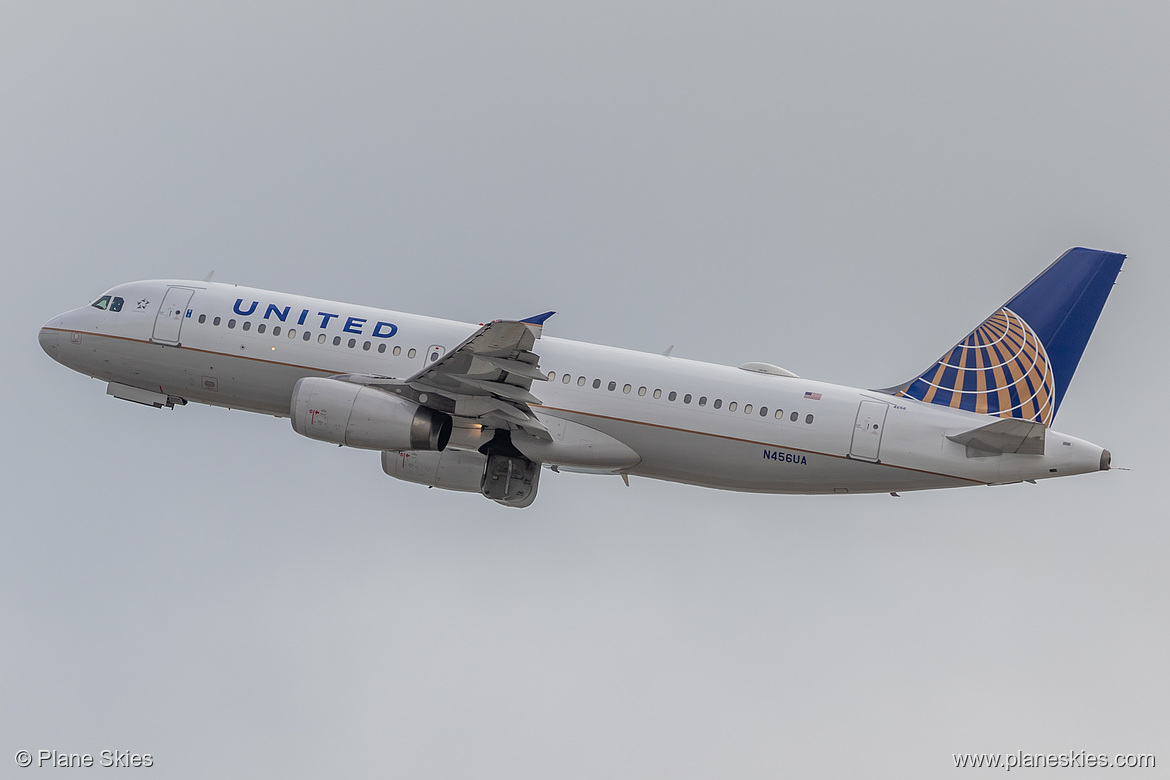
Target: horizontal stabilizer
{"points": [[1009, 435]]}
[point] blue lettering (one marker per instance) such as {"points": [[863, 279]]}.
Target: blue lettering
{"points": [[280, 315], [378, 330], [241, 312], [354, 325], [786, 457], [325, 318], [301, 320]]}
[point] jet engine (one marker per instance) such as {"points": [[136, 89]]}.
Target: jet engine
{"points": [[358, 416], [508, 480], [450, 470]]}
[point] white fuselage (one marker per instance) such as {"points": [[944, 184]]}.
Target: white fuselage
{"points": [[687, 421]]}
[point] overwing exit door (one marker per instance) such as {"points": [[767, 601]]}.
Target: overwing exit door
{"points": [[169, 320], [868, 429]]}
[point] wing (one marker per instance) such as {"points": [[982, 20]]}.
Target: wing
{"points": [[486, 380]]}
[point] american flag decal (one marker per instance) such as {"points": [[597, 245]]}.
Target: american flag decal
{"points": [[812, 396]]}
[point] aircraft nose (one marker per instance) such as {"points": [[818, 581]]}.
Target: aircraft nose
{"points": [[50, 335], [48, 339]]}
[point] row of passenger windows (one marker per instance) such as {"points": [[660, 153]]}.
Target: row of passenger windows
{"points": [[686, 398], [308, 336]]}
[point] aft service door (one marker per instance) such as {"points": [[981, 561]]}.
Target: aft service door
{"points": [[169, 319], [868, 429]]}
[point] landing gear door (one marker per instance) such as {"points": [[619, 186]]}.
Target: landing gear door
{"points": [[868, 429], [169, 320]]}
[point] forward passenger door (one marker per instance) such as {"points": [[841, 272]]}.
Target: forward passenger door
{"points": [[169, 320]]}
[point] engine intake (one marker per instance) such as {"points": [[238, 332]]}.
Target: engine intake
{"points": [[359, 416]]}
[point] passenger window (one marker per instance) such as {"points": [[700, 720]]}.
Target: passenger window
{"points": [[215, 322], [687, 398], [794, 417], [641, 391], [673, 395], [718, 403], [352, 343], [702, 400], [580, 381], [731, 407], [657, 393], [779, 414], [292, 333], [763, 411], [202, 318], [231, 324], [366, 346], [260, 328], [412, 352], [552, 375], [275, 329], [747, 408], [321, 339], [382, 347], [247, 325], [596, 383], [627, 389], [397, 351], [308, 336], [808, 420], [101, 303], [434, 356], [116, 304], [566, 379], [337, 341], [612, 386]]}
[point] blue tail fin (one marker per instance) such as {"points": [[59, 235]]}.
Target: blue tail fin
{"points": [[1020, 361]]}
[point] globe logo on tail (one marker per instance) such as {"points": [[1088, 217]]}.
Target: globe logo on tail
{"points": [[1000, 369]]}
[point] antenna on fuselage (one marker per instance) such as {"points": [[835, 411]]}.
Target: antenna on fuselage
{"points": [[209, 275]]}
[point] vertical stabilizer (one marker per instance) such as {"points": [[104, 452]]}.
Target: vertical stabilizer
{"points": [[1020, 361]]}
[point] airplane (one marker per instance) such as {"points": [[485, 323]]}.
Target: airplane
{"points": [[481, 409]]}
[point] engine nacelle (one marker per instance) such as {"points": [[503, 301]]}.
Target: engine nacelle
{"points": [[450, 470], [358, 416]]}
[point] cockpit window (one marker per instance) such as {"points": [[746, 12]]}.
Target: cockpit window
{"points": [[108, 303]]}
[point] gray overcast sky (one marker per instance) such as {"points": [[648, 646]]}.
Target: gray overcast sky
{"points": [[844, 189]]}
